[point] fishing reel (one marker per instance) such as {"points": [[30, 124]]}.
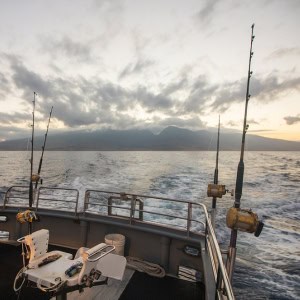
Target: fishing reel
{"points": [[36, 178], [26, 216], [217, 190], [244, 220]]}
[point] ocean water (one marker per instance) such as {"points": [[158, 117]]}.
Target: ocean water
{"points": [[268, 266]]}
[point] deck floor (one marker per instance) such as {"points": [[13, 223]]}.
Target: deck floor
{"points": [[134, 286]]}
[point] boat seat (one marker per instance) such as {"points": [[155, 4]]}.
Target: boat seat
{"points": [[83, 271], [38, 243], [98, 258]]}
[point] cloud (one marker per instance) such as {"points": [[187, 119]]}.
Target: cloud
{"points": [[173, 87], [262, 130], [110, 14], [252, 121], [190, 123], [206, 13], [135, 68], [263, 89], [272, 88], [7, 119], [80, 51], [5, 87], [9, 131], [283, 52], [152, 102], [232, 124], [109, 5], [292, 120], [29, 82], [4, 83], [81, 102]]}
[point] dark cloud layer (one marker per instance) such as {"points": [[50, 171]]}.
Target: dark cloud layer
{"points": [[96, 103], [4, 83], [13, 132], [81, 102], [263, 89], [292, 120]]}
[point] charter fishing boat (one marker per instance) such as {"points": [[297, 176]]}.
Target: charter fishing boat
{"points": [[112, 245]]}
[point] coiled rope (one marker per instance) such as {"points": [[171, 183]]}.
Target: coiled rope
{"points": [[145, 266], [20, 273]]}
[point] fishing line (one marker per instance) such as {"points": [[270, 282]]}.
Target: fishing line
{"points": [[207, 179]]}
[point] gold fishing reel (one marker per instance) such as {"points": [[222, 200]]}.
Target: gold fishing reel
{"points": [[26, 216], [216, 190], [35, 177], [244, 220]]}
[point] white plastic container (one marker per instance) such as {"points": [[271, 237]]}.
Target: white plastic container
{"points": [[117, 240]]}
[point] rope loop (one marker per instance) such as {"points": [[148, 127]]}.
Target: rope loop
{"points": [[145, 266]]}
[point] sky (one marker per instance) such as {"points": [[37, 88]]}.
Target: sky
{"points": [[137, 64]]}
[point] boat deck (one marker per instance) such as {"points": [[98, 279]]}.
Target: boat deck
{"points": [[134, 286]]}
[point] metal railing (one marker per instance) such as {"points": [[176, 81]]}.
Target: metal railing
{"points": [[223, 284], [17, 196], [45, 197], [149, 209], [58, 199]]}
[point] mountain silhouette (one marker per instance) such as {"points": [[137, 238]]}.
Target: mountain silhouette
{"points": [[171, 138]]}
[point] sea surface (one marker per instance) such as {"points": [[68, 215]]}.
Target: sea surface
{"points": [[268, 266]]}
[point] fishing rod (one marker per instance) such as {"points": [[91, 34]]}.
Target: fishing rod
{"points": [[241, 219], [31, 162], [216, 179], [28, 215], [31, 159], [216, 190], [43, 149]]}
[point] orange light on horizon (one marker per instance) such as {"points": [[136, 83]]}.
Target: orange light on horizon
{"points": [[282, 135]]}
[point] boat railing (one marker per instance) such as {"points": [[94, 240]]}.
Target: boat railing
{"points": [[223, 283], [162, 211], [64, 199], [16, 196]]}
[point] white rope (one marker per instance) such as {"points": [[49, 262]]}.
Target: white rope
{"points": [[16, 279], [145, 266], [21, 271]]}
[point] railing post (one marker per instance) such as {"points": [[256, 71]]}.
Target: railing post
{"points": [[141, 208], [218, 283], [37, 200], [189, 217], [132, 210], [206, 234], [86, 200], [230, 262], [6, 197], [109, 204], [76, 205]]}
